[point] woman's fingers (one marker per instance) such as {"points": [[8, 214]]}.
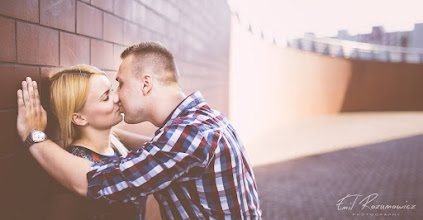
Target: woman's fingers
{"points": [[25, 94], [21, 105], [37, 105], [30, 92], [30, 95]]}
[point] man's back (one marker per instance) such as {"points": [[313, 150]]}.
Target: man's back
{"points": [[195, 165]]}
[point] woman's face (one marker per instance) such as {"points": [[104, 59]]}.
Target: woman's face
{"points": [[101, 110]]}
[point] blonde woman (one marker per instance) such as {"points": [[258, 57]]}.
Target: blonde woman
{"points": [[87, 108]]}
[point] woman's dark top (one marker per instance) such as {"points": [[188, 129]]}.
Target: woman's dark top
{"points": [[68, 205]]}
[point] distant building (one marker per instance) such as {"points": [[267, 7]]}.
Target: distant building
{"points": [[379, 45], [378, 36], [417, 36]]}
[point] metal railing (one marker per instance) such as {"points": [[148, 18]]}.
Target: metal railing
{"points": [[357, 50], [333, 47]]}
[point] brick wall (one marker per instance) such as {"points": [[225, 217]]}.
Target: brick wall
{"points": [[38, 36]]}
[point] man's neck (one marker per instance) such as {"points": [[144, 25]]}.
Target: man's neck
{"points": [[165, 103], [95, 140]]}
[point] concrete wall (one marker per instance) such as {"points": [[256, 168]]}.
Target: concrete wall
{"points": [[38, 36], [271, 86]]}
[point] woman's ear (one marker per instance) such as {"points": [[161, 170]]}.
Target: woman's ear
{"points": [[147, 83], [79, 119]]}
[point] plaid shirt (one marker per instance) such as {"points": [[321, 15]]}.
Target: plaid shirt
{"points": [[195, 166]]}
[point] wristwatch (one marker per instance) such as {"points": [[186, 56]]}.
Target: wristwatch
{"points": [[35, 136]]}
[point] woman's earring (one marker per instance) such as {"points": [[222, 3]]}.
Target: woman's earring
{"points": [[86, 123]]}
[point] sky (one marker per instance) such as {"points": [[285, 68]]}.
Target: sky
{"points": [[287, 18]]}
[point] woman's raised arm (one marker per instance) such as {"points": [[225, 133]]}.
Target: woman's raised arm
{"points": [[71, 171]]}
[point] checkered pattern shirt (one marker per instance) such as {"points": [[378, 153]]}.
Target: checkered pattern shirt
{"points": [[195, 166]]}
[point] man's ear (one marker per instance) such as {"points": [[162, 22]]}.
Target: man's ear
{"points": [[78, 119], [147, 82]]}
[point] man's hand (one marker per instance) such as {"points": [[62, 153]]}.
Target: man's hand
{"points": [[31, 115]]}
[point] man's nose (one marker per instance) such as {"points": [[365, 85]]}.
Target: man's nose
{"points": [[115, 97]]}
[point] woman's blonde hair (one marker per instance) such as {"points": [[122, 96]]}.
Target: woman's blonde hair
{"points": [[69, 90]]}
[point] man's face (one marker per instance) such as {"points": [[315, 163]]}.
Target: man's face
{"points": [[132, 100]]}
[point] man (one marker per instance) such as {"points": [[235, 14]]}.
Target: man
{"points": [[195, 165]]}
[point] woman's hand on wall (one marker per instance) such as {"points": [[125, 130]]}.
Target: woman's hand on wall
{"points": [[31, 115]]}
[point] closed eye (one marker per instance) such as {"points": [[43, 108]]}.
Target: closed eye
{"points": [[105, 94]]}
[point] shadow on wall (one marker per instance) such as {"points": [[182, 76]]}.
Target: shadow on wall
{"points": [[379, 86]]}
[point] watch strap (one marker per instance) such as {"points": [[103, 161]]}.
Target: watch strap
{"points": [[28, 141]]}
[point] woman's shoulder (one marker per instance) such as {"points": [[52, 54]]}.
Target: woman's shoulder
{"points": [[84, 153], [90, 155]]}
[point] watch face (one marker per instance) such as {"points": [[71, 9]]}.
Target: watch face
{"points": [[38, 136]]}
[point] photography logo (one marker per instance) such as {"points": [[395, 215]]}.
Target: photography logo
{"points": [[366, 205]]}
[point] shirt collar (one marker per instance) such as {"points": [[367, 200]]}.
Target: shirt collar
{"points": [[189, 102]]}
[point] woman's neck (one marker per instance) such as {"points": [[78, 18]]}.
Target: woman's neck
{"points": [[95, 140]]}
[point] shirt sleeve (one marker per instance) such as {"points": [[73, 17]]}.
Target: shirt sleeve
{"points": [[178, 153]]}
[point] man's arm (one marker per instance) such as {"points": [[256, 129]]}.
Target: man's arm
{"points": [[178, 153], [69, 170]]}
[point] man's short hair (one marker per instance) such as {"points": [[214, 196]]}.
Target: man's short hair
{"points": [[156, 58]]}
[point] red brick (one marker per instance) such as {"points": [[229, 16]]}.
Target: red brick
{"points": [[123, 8], [22, 9], [12, 76], [7, 40], [58, 14], [117, 50], [74, 49], [46, 72], [37, 45], [113, 28], [102, 54], [173, 13], [135, 34], [111, 75], [155, 22], [172, 45], [162, 7], [139, 13], [131, 33], [151, 36], [10, 141], [52, 129], [104, 4], [149, 3], [89, 21], [187, 21]]}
